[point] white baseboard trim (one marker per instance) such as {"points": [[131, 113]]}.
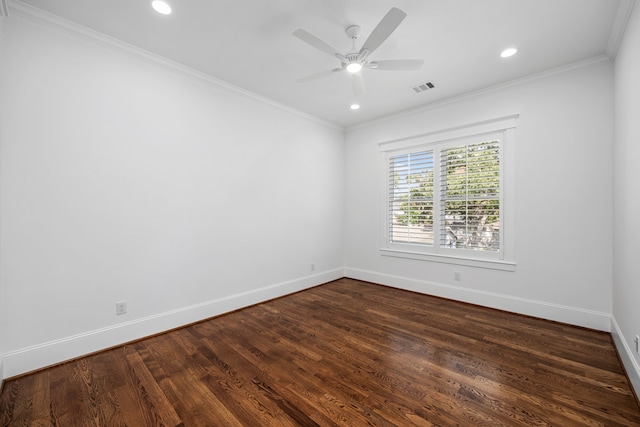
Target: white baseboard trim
{"points": [[571, 315], [626, 355], [50, 353]]}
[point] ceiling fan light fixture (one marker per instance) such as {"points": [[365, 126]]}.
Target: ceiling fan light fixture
{"points": [[161, 6], [354, 67], [509, 52]]}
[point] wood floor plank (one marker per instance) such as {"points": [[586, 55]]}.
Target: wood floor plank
{"points": [[41, 399], [68, 403], [296, 380], [288, 385], [177, 378], [124, 394], [155, 404], [347, 353], [17, 407]]}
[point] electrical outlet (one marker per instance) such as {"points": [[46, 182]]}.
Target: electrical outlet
{"points": [[121, 308], [457, 276], [637, 340], [313, 267]]}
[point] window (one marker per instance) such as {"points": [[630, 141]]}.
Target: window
{"points": [[444, 195]]}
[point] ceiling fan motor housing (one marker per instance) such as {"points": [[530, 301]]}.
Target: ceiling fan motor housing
{"points": [[352, 57]]}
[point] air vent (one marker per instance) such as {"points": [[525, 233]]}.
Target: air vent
{"points": [[423, 87]]}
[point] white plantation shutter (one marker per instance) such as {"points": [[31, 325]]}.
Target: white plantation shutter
{"points": [[448, 195], [464, 214], [470, 196], [410, 186]]}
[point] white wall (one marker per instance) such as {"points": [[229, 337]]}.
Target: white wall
{"points": [[563, 204], [626, 252], [125, 179], [2, 96]]}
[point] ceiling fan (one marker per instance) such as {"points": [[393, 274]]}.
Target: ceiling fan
{"points": [[356, 60]]}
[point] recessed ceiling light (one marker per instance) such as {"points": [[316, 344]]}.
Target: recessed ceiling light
{"points": [[161, 6], [355, 106], [354, 67], [509, 52]]}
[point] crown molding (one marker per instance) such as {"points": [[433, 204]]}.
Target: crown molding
{"points": [[41, 17], [625, 8], [4, 8], [590, 62]]}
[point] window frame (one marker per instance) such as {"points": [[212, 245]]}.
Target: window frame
{"points": [[502, 128]]}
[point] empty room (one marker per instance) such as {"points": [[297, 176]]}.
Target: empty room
{"points": [[319, 213]]}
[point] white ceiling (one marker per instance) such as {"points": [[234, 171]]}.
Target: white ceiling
{"points": [[249, 43]]}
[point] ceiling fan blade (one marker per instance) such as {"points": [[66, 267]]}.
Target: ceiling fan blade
{"points": [[318, 75], [357, 83], [397, 64], [383, 30], [309, 38]]}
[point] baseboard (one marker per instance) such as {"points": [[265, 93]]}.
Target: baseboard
{"points": [[50, 353], [626, 355], [571, 315], [1, 371]]}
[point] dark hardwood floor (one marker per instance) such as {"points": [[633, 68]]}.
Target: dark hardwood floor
{"points": [[344, 353]]}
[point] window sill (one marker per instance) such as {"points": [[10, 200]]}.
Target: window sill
{"points": [[446, 259]]}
